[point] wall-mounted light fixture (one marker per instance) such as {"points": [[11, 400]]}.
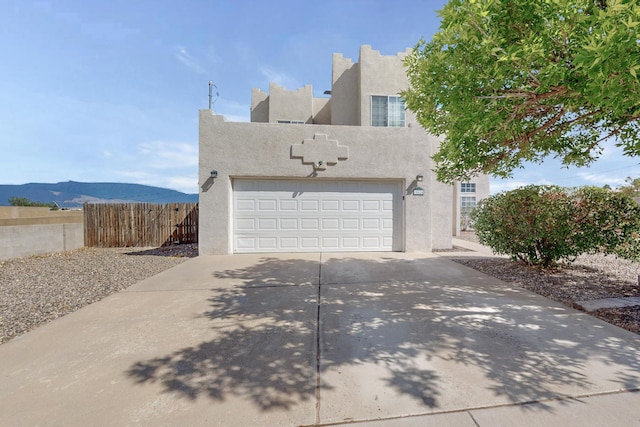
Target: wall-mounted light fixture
{"points": [[419, 177], [214, 174]]}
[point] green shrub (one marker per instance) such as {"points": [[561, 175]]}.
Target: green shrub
{"points": [[541, 225], [23, 201]]}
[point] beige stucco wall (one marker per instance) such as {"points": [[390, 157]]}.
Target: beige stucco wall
{"points": [[259, 106], [26, 215], [26, 230], [25, 240], [36, 212], [345, 107], [381, 75], [263, 150], [321, 111], [290, 104]]}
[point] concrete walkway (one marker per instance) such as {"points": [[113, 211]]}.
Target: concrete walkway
{"points": [[377, 339]]}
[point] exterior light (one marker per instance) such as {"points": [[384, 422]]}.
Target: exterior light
{"points": [[214, 174], [419, 177]]}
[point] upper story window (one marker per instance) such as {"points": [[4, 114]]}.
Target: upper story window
{"points": [[467, 187], [387, 111], [291, 122]]}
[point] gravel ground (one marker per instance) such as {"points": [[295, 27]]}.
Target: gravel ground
{"points": [[590, 277], [38, 289]]}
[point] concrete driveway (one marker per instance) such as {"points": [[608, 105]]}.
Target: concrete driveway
{"points": [[381, 339]]}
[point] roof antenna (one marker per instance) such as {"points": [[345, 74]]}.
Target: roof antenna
{"points": [[211, 86]]}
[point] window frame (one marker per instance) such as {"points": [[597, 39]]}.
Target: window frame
{"points": [[468, 202], [391, 100], [467, 187]]}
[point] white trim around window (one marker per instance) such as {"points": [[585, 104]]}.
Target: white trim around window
{"points": [[387, 111]]}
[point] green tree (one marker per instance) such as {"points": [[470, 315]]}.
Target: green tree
{"points": [[632, 187], [509, 81], [541, 225], [23, 201]]}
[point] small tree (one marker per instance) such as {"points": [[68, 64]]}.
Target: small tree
{"points": [[23, 201], [541, 225], [632, 187]]}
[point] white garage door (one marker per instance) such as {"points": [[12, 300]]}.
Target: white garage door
{"points": [[315, 216]]}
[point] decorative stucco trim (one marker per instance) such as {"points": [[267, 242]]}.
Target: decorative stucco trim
{"points": [[320, 151]]}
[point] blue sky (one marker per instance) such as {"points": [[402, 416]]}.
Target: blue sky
{"points": [[109, 91]]}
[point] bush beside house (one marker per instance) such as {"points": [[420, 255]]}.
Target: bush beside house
{"points": [[541, 225]]}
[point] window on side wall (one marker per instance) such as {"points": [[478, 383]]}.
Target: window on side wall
{"points": [[467, 187], [387, 111], [467, 203]]}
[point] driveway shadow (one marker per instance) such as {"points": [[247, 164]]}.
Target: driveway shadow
{"points": [[424, 338]]}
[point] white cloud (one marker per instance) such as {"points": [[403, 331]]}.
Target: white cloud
{"points": [[610, 149], [600, 179], [167, 164], [187, 182], [233, 111], [168, 155], [188, 60], [236, 118], [280, 78], [505, 185]]}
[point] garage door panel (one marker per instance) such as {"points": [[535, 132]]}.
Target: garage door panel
{"points": [[370, 224], [289, 243], [289, 215], [289, 205], [266, 243], [268, 205], [268, 224], [245, 224], [330, 205], [351, 205], [350, 224], [309, 224], [245, 205], [351, 243], [310, 243], [310, 205], [331, 224], [246, 243], [288, 224], [330, 243], [371, 242], [370, 205]]}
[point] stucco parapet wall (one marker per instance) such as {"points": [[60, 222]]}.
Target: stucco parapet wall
{"points": [[275, 87], [265, 149], [367, 49], [340, 57]]}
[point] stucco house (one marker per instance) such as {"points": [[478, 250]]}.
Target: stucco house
{"points": [[347, 172]]}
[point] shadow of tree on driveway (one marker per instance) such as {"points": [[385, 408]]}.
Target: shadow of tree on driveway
{"points": [[425, 338]]}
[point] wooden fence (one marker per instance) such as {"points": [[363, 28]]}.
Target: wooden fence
{"points": [[109, 225]]}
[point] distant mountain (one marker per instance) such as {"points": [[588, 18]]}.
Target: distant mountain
{"points": [[73, 194]]}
